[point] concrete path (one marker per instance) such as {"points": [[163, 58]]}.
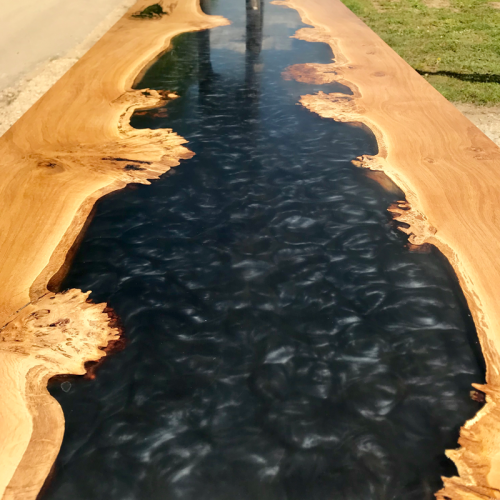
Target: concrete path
{"points": [[40, 40]]}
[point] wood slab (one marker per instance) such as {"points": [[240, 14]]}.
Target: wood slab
{"points": [[68, 150], [450, 173], [73, 146]]}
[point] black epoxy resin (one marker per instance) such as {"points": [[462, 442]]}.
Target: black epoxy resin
{"points": [[283, 344]]}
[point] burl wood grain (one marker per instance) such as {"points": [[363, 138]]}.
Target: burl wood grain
{"points": [[72, 147], [55, 334], [69, 149], [450, 173]]}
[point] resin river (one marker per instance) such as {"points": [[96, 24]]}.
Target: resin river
{"points": [[282, 341]]}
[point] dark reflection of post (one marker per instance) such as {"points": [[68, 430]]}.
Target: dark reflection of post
{"points": [[205, 71], [255, 10], [254, 27]]}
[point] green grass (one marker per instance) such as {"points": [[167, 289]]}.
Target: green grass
{"points": [[462, 39]]}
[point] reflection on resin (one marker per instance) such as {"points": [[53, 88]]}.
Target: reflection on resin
{"points": [[282, 342]]}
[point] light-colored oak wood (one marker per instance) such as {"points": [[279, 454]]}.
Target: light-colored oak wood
{"points": [[67, 151], [54, 335], [450, 173]]}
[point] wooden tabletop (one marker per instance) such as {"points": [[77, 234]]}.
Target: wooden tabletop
{"points": [[450, 173], [69, 149]]}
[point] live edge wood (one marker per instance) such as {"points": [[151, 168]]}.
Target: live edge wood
{"points": [[450, 173], [67, 151]]}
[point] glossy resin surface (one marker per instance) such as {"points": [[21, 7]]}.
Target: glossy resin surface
{"points": [[282, 341]]}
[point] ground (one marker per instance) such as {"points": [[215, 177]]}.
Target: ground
{"points": [[453, 44], [40, 41]]}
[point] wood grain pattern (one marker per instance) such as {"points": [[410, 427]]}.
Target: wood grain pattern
{"points": [[53, 335], [67, 151], [450, 173]]}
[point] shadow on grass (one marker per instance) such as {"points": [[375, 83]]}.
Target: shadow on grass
{"points": [[467, 77]]}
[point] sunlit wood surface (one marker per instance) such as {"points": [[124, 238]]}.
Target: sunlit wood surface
{"points": [[450, 172], [68, 150]]}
